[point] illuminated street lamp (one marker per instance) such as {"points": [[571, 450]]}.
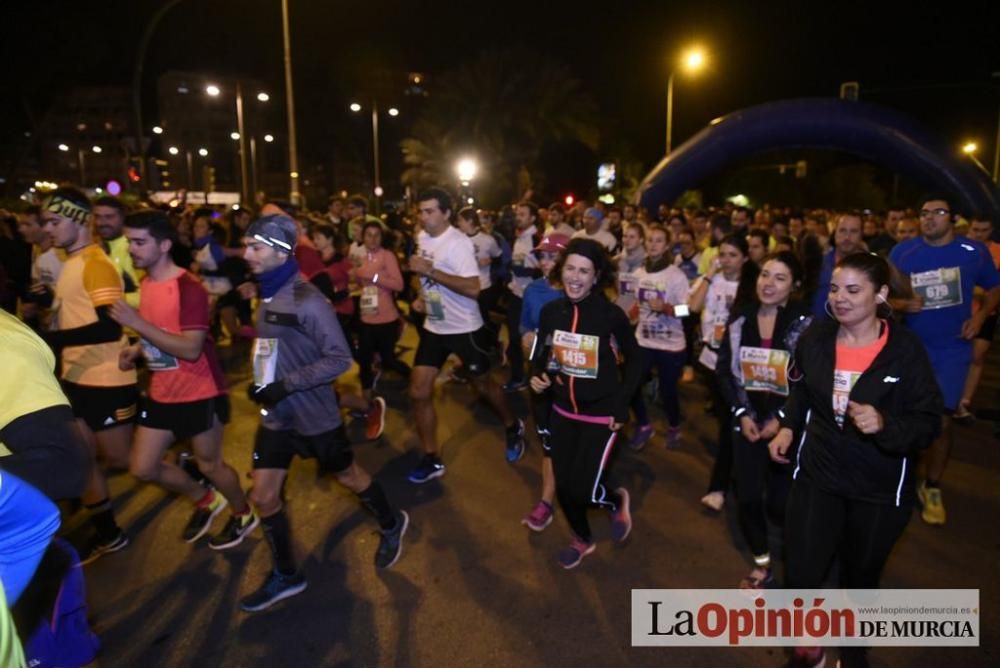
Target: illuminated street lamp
{"points": [[969, 149], [692, 62], [63, 147], [203, 152], [96, 149], [269, 138], [466, 169], [235, 136], [157, 130], [213, 90], [173, 150], [263, 97], [393, 111]]}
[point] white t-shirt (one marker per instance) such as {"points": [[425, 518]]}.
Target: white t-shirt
{"points": [[45, 269], [523, 259], [601, 236], [718, 301], [447, 311], [657, 330], [486, 247]]}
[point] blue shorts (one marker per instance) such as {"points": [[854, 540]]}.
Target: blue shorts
{"points": [[951, 367]]}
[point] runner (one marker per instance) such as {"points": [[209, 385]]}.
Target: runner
{"points": [[187, 392], [661, 287], [46, 265], [854, 476], [103, 396], [539, 293], [755, 376], [632, 257], [487, 252], [714, 297], [299, 352], [36, 422], [445, 261], [380, 280], [581, 335], [943, 269], [524, 267]]}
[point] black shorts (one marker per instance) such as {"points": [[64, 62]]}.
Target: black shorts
{"points": [[186, 419], [275, 449], [475, 349], [989, 328], [103, 407]]}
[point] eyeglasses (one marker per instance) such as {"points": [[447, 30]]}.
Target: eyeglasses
{"points": [[927, 213]]}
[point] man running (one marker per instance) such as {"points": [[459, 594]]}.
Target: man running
{"points": [[187, 396], [943, 270], [445, 261], [299, 351], [102, 395]]}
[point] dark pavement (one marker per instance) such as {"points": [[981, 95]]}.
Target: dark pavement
{"points": [[473, 586]]}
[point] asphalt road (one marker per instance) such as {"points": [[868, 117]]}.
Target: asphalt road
{"points": [[473, 586]]}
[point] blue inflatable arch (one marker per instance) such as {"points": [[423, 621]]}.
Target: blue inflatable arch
{"points": [[874, 133]]}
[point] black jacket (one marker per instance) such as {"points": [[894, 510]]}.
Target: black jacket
{"points": [[900, 384], [742, 331], [609, 393]]}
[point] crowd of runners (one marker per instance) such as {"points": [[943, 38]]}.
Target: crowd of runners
{"points": [[837, 348]]}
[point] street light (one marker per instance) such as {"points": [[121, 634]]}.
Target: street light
{"points": [[393, 111], [466, 168], [96, 149], [203, 152], [263, 97], [213, 90], [173, 150], [63, 147], [269, 138], [157, 130], [691, 62], [969, 149], [240, 134], [235, 136]]}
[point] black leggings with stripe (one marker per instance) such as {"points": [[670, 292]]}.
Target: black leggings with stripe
{"points": [[581, 457]]}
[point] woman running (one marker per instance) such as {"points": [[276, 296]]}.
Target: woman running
{"points": [[868, 402], [582, 335], [660, 286], [755, 376], [540, 292], [714, 296]]}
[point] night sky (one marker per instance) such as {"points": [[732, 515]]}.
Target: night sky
{"points": [[934, 61]]}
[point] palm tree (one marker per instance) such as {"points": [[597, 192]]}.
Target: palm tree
{"points": [[503, 107]]}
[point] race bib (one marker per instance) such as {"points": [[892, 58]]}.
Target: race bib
{"points": [[765, 370], [649, 291], [718, 330], [843, 383], [433, 306], [626, 284], [265, 361], [939, 288], [369, 300], [655, 330], [156, 359], [576, 353]]}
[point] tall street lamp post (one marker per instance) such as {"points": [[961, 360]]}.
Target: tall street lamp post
{"points": [[693, 61]]}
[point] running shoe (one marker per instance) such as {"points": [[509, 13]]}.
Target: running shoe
{"points": [[621, 519], [714, 500], [515, 442], [100, 548], [930, 499], [754, 582], [641, 436], [515, 385], [276, 587], [574, 554], [390, 545], [201, 518], [673, 437], [430, 467], [236, 529], [539, 518], [375, 420]]}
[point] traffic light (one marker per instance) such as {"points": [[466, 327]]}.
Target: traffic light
{"points": [[159, 174], [209, 179]]}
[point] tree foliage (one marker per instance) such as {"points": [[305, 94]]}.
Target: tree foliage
{"points": [[502, 108]]}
